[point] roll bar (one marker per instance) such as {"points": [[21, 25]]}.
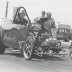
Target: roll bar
{"points": [[25, 13]]}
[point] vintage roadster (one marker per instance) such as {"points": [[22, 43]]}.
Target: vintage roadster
{"points": [[26, 39]]}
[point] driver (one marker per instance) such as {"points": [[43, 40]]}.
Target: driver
{"points": [[20, 18]]}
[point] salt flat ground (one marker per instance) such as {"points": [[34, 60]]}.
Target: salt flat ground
{"points": [[14, 62]]}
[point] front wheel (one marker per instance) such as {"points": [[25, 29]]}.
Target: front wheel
{"points": [[28, 50]]}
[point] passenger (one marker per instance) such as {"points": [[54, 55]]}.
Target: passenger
{"points": [[43, 14], [42, 18], [37, 20], [41, 22], [50, 20], [20, 18], [50, 23]]}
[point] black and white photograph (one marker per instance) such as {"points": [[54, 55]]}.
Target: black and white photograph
{"points": [[35, 35]]}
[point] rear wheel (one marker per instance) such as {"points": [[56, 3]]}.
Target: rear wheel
{"points": [[28, 50], [2, 49], [70, 54], [66, 39]]}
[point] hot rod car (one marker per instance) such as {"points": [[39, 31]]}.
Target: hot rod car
{"points": [[26, 39]]}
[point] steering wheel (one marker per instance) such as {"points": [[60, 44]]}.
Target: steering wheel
{"points": [[24, 11]]}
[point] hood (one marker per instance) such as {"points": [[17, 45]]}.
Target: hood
{"points": [[7, 24]]}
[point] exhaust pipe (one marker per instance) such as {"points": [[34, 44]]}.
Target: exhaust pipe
{"points": [[6, 9]]}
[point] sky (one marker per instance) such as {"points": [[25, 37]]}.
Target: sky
{"points": [[61, 9]]}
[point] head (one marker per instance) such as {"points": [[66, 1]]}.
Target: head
{"points": [[49, 15], [59, 44], [43, 13], [22, 14]]}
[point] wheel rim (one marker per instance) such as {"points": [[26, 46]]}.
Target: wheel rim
{"points": [[71, 55], [27, 50]]}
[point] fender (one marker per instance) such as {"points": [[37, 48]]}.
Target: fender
{"points": [[1, 37], [1, 34]]}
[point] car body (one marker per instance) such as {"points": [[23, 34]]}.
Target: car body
{"points": [[64, 32], [13, 35]]}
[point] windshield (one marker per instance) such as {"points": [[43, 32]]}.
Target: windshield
{"points": [[62, 30], [67, 31]]}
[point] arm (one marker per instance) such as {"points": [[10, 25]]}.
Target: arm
{"points": [[53, 23]]}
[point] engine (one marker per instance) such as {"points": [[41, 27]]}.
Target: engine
{"points": [[49, 41], [48, 44]]}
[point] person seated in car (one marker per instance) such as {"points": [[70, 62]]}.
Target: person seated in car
{"points": [[50, 20], [43, 18], [20, 18], [38, 19], [50, 23], [41, 22]]}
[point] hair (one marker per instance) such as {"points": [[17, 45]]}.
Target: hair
{"points": [[43, 11]]}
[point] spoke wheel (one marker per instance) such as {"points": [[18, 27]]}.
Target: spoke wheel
{"points": [[2, 48], [28, 50], [71, 55]]}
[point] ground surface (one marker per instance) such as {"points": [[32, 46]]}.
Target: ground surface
{"points": [[14, 62]]}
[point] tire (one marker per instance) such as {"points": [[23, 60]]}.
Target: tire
{"points": [[66, 39], [2, 48], [70, 54], [28, 50]]}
